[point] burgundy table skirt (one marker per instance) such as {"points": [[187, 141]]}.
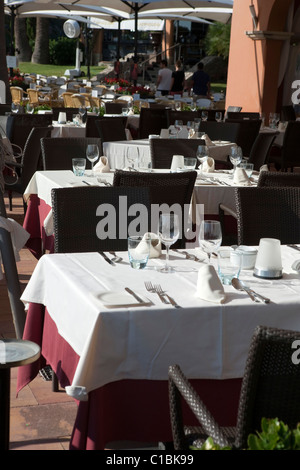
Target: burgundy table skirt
{"points": [[135, 410]]}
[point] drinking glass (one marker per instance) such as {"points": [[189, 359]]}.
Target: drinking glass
{"points": [[92, 154], [236, 156], [178, 126], [197, 124], [177, 105], [218, 116], [168, 233], [202, 154], [132, 156], [29, 108], [15, 107], [204, 115], [190, 125], [78, 165], [82, 112], [210, 236]]}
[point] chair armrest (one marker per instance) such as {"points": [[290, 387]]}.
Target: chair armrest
{"points": [[180, 386], [223, 209]]}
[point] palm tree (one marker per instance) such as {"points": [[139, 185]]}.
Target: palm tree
{"points": [[41, 48], [3, 67]]}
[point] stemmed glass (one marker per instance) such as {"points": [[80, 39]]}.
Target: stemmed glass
{"points": [[15, 108], [236, 156], [168, 233], [218, 116], [204, 115], [191, 128], [82, 111], [202, 154], [178, 126], [131, 157], [29, 108], [92, 154], [210, 236]]}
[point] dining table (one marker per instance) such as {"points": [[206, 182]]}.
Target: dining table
{"points": [[210, 189], [111, 351], [118, 152]]}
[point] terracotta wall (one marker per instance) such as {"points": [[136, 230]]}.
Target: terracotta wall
{"points": [[252, 80]]}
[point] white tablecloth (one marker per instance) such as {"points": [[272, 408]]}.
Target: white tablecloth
{"points": [[140, 342], [67, 130]]}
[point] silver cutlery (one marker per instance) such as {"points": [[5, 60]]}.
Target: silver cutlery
{"points": [[106, 258], [130, 291], [151, 288], [188, 255], [116, 258], [85, 182], [239, 285], [106, 183], [160, 291], [294, 246]]}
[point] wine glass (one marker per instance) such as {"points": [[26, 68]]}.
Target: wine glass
{"points": [[202, 154], [15, 108], [177, 105], [92, 154], [210, 236], [178, 126], [218, 116], [82, 112], [168, 233], [29, 108], [132, 157], [204, 115], [235, 156], [190, 125]]}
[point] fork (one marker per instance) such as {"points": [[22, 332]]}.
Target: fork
{"points": [[151, 288], [116, 258], [160, 291]]}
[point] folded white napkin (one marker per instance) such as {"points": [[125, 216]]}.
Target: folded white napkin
{"points": [[155, 245], [177, 162], [208, 166], [164, 133], [240, 177], [130, 112], [208, 142], [209, 286], [102, 166], [264, 168]]}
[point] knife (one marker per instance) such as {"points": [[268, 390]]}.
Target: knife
{"points": [[106, 258], [134, 295]]}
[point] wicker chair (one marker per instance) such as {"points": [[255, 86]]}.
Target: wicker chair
{"points": [[80, 100], [287, 113], [221, 130], [241, 116], [165, 188], [268, 212], [248, 131], [184, 116], [113, 108], [111, 129], [67, 97], [278, 178], [22, 124], [270, 389], [35, 98], [30, 163], [17, 94], [69, 113], [261, 149], [152, 121], [162, 150], [75, 230], [289, 157], [57, 154]]}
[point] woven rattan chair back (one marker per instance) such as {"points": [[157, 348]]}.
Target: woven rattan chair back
{"points": [[220, 130], [241, 116], [278, 178], [152, 121], [290, 146], [22, 125], [261, 149], [57, 153], [113, 108], [111, 129], [77, 213], [248, 131], [162, 150], [270, 389], [266, 212], [164, 188]]}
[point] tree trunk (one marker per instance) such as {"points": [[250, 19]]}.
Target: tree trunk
{"points": [[21, 40], [3, 67], [41, 48]]}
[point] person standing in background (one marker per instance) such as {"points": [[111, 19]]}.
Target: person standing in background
{"points": [[117, 68], [200, 83], [177, 80], [164, 78]]}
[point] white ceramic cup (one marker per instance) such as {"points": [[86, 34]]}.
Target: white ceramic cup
{"points": [[268, 263]]}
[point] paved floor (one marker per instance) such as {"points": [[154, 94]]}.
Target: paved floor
{"points": [[39, 418]]}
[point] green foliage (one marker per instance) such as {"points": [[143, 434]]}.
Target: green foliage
{"points": [[275, 435], [217, 40], [43, 107], [62, 51]]}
